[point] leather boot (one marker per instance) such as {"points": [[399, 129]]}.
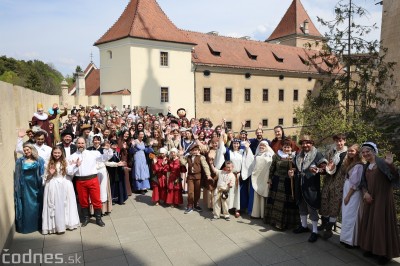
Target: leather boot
{"points": [[99, 221], [328, 231], [86, 216], [324, 221]]}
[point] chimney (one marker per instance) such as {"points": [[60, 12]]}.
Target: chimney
{"points": [[213, 33], [305, 27], [245, 38], [80, 84]]}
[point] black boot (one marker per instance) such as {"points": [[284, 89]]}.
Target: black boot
{"points": [[86, 216], [328, 231], [324, 221], [97, 214]]}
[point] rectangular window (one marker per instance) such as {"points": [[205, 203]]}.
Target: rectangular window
{"points": [[295, 121], [265, 95], [280, 121], [281, 95], [247, 95], [164, 58], [228, 95], [207, 95], [247, 124], [265, 122], [295, 95], [164, 95], [228, 124]]}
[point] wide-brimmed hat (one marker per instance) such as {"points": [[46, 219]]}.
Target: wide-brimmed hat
{"points": [[307, 138], [86, 126], [67, 132]]}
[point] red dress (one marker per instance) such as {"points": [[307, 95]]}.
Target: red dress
{"points": [[174, 195], [160, 187]]}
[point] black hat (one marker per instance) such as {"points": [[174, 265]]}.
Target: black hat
{"points": [[67, 132]]}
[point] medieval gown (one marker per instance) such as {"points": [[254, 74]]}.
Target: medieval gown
{"points": [[141, 174], [60, 210], [174, 185], [351, 211], [281, 210], [28, 195]]}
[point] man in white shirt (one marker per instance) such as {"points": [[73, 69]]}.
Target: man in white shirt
{"points": [[44, 151], [82, 165]]}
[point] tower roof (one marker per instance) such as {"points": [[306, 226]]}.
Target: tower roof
{"points": [[146, 20], [292, 21]]}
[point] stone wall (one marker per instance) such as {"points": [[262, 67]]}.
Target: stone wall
{"points": [[17, 107], [391, 39]]}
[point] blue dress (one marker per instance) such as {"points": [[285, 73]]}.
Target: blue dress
{"points": [[28, 195], [141, 174]]}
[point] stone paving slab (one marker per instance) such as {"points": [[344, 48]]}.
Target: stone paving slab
{"points": [[139, 233]]}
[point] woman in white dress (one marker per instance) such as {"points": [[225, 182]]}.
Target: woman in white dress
{"points": [[259, 172], [241, 159], [60, 211], [352, 197]]}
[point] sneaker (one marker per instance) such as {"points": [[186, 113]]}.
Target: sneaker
{"points": [[313, 237], [227, 218], [198, 209], [188, 210], [214, 218], [301, 229]]}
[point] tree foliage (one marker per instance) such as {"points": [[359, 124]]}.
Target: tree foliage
{"points": [[34, 75], [354, 70]]}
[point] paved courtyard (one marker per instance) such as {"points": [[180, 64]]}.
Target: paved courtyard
{"points": [[139, 233]]}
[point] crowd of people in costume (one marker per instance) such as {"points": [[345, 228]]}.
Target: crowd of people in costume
{"points": [[94, 157]]}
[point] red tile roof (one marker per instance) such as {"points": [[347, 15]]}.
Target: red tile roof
{"points": [[146, 20], [233, 54], [120, 92], [291, 21], [92, 81]]}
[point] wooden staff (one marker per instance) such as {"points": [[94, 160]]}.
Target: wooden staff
{"points": [[291, 178]]}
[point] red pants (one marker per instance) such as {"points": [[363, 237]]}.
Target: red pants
{"points": [[88, 188]]}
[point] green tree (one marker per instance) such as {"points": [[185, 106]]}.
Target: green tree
{"points": [[354, 72]]}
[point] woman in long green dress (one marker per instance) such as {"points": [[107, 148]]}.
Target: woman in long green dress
{"points": [[281, 210], [28, 191]]}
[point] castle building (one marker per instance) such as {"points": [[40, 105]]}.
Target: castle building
{"points": [[158, 65]]}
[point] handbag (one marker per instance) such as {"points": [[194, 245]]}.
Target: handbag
{"points": [[225, 194]]}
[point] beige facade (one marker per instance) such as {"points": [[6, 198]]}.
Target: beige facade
{"points": [[391, 39], [258, 109], [18, 106], [135, 64]]}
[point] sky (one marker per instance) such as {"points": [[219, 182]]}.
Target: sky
{"points": [[62, 33]]}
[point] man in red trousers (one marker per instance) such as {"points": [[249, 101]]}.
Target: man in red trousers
{"points": [[82, 165]]}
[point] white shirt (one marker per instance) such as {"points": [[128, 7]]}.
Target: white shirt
{"points": [[88, 160], [225, 179], [67, 152], [44, 151]]}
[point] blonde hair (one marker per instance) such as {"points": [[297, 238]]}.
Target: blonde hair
{"points": [[35, 154], [348, 162]]}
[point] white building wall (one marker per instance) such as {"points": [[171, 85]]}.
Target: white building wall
{"points": [[115, 66], [135, 65]]}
